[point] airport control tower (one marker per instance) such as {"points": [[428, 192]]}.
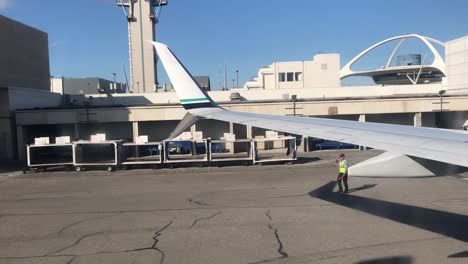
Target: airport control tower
{"points": [[142, 17]]}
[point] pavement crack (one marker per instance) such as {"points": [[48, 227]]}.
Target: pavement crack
{"points": [[74, 244], [280, 243], [177, 209], [72, 259], [85, 220], [268, 214], [156, 240], [157, 234], [190, 200], [280, 249], [204, 218]]}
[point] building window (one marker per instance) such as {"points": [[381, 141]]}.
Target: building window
{"points": [[324, 66], [282, 77], [298, 76], [290, 77]]}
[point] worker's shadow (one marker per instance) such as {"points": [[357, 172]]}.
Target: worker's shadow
{"points": [[364, 187]]}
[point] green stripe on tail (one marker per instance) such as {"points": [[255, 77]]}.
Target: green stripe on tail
{"points": [[191, 100]]}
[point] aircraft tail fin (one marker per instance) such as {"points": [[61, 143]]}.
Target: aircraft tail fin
{"points": [[190, 94]]}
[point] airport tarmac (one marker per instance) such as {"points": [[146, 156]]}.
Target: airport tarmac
{"points": [[234, 214]]}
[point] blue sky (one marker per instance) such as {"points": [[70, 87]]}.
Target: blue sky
{"points": [[89, 37]]}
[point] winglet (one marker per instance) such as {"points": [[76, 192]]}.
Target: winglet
{"points": [[190, 94]]}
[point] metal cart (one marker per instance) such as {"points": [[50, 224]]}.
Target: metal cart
{"points": [[183, 151], [140, 153], [49, 155], [274, 150], [96, 154], [236, 150]]}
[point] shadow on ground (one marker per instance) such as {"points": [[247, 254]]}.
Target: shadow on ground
{"points": [[11, 166], [304, 160], [444, 223], [463, 254], [388, 260], [364, 187]]}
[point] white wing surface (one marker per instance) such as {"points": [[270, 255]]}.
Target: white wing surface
{"points": [[429, 143]]}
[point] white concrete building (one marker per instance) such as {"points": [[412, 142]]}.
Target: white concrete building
{"points": [[456, 59], [321, 72]]}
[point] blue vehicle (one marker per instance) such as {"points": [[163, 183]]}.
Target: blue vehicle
{"points": [[328, 144]]}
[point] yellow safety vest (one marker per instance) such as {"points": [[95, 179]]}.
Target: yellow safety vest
{"points": [[342, 166]]}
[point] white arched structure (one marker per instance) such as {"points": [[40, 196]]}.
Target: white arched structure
{"points": [[437, 64]]}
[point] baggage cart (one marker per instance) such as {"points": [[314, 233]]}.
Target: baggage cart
{"points": [[141, 153], [95, 154], [184, 151], [49, 155], [274, 150], [227, 150]]}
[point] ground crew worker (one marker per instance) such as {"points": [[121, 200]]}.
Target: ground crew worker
{"points": [[343, 173]]}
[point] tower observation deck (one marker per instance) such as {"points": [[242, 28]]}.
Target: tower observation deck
{"points": [[409, 68], [142, 17]]}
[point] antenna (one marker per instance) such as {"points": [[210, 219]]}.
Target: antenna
{"points": [[126, 79]]}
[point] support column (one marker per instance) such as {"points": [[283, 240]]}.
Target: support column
{"points": [[20, 143], [303, 148], [77, 131], [249, 131], [362, 118], [193, 128], [417, 119], [231, 127], [136, 133]]}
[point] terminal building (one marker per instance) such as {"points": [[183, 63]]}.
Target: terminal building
{"points": [[434, 94], [24, 78]]}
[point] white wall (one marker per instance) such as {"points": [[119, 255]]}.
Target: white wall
{"points": [[322, 72], [56, 85], [456, 59]]}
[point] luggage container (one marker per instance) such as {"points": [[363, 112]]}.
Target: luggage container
{"points": [[95, 154], [274, 149], [180, 151], [49, 155], [235, 150], [141, 153]]}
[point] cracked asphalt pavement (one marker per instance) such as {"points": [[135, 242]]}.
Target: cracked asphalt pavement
{"points": [[232, 214]]}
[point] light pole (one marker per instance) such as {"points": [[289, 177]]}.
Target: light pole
{"points": [[294, 99], [115, 74], [441, 93], [237, 78]]}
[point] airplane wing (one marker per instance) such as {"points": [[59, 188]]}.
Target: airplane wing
{"points": [[442, 145]]}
